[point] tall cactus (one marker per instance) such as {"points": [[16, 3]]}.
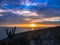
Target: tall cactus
{"points": [[11, 33]]}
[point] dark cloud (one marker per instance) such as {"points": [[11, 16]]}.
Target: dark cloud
{"points": [[9, 18], [50, 12]]}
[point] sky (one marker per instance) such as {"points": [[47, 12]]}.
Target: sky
{"points": [[29, 11]]}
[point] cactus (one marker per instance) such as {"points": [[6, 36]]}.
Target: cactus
{"points": [[11, 33]]}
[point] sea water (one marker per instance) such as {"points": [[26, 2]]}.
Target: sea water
{"points": [[18, 30]]}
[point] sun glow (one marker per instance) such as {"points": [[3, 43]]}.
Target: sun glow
{"points": [[32, 25]]}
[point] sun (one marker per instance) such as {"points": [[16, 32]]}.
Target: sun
{"points": [[32, 25]]}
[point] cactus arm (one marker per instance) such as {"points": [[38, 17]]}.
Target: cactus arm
{"points": [[11, 33], [7, 31], [14, 29]]}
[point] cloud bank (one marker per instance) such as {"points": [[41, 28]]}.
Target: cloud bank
{"points": [[27, 11]]}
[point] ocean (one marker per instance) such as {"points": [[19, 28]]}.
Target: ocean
{"points": [[18, 30]]}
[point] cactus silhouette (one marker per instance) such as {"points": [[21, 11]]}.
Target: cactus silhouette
{"points": [[11, 33]]}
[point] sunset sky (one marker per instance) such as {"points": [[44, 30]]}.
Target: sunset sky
{"points": [[30, 11]]}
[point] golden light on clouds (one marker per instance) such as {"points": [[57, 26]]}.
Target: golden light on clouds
{"points": [[50, 19], [27, 19]]}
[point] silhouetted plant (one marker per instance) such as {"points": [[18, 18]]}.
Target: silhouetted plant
{"points": [[11, 33]]}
